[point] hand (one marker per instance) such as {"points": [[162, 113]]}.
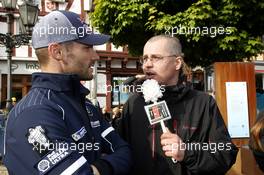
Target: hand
{"points": [[172, 145], [95, 170]]}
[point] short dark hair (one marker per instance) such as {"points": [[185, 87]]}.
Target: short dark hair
{"points": [[43, 55]]}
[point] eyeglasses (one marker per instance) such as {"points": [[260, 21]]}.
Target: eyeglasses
{"points": [[153, 58]]}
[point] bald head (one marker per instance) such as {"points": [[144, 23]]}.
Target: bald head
{"points": [[163, 60], [170, 45]]}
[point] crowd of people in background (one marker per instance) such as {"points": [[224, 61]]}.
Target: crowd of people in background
{"points": [[113, 116]]}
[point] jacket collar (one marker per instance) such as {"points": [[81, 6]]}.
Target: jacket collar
{"points": [[59, 82], [176, 92]]}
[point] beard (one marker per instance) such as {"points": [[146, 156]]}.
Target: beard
{"points": [[86, 75]]}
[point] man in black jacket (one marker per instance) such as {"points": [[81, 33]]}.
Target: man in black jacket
{"points": [[196, 138]]}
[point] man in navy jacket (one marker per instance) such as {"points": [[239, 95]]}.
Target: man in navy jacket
{"points": [[54, 129]]}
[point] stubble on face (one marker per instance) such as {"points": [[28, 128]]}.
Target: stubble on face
{"points": [[78, 61]]}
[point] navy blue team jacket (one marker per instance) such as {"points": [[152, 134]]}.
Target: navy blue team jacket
{"points": [[55, 130]]}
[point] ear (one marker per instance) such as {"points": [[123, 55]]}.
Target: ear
{"points": [[55, 51], [178, 63]]}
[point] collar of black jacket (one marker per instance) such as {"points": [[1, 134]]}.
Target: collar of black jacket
{"points": [[176, 92], [58, 82]]}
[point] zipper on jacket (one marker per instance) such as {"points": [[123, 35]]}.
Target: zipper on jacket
{"points": [[175, 126]]}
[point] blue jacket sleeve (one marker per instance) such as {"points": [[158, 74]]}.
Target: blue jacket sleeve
{"points": [[117, 151], [25, 154]]}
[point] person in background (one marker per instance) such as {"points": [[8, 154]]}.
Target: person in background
{"points": [[256, 142], [260, 99], [2, 131], [14, 101], [54, 129], [196, 140], [50, 5], [106, 115], [11, 105], [116, 116]]}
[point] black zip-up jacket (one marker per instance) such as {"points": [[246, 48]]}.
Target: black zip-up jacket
{"points": [[198, 122]]}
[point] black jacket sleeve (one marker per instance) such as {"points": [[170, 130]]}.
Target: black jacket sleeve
{"points": [[218, 154]]}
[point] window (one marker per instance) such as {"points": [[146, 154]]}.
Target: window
{"points": [[119, 91]]}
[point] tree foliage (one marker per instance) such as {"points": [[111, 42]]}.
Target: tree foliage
{"points": [[224, 30]]}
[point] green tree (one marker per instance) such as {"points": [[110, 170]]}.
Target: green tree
{"points": [[224, 30]]}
